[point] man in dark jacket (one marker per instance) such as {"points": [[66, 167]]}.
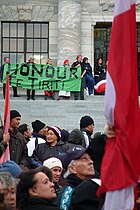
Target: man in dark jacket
{"points": [[77, 64], [7, 61], [83, 135], [80, 191], [87, 128], [17, 146]]}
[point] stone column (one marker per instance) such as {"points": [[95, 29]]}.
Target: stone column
{"points": [[69, 30]]}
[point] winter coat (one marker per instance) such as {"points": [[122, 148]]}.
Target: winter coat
{"points": [[84, 196], [76, 137], [37, 204], [18, 148], [43, 151], [65, 199]]}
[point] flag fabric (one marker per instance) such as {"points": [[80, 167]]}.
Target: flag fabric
{"points": [[6, 154], [121, 162], [100, 86]]}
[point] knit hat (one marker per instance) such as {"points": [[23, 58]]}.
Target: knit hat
{"points": [[66, 61], [56, 130], [14, 114], [11, 167], [76, 137], [37, 125], [85, 121], [53, 162]]}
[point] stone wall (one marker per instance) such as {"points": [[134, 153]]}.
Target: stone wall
{"points": [[47, 10]]}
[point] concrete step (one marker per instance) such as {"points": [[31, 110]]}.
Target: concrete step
{"points": [[64, 113]]}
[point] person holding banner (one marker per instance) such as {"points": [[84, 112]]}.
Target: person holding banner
{"points": [[7, 61], [49, 93], [63, 93], [83, 72], [29, 95]]}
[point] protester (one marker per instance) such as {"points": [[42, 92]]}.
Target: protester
{"points": [[63, 93], [100, 77], [7, 191], [76, 137], [25, 130], [35, 191], [30, 93], [49, 93], [89, 79], [80, 191], [99, 69], [87, 128], [38, 136], [17, 145], [53, 147], [7, 61], [77, 64], [11, 167], [98, 143], [55, 165]]}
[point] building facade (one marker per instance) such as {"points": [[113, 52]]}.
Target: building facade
{"points": [[59, 29]]}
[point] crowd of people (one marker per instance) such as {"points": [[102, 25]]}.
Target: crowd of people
{"points": [[89, 77], [51, 168]]}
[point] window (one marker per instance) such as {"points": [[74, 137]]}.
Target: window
{"points": [[23, 40]]}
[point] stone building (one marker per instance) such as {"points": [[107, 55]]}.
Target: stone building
{"points": [[59, 29]]}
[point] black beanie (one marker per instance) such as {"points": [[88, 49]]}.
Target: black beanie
{"points": [[85, 121], [14, 114], [37, 125]]}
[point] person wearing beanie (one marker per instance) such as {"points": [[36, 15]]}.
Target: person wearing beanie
{"points": [[63, 93], [14, 114], [87, 128], [38, 126], [38, 136], [17, 146], [55, 165], [53, 147]]}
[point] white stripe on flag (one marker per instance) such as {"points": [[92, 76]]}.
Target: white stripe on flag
{"points": [[122, 6]]}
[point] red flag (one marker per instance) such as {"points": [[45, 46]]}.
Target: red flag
{"points": [[121, 159], [6, 154]]}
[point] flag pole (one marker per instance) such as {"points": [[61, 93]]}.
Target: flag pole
{"points": [[6, 154]]}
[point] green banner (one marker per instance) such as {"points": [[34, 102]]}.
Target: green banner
{"points": [[43, 77]]}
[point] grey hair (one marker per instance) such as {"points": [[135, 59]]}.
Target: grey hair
{"points": [[8, 179], [68, 172]]}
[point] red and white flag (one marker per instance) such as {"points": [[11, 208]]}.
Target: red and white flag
{"points": [[121, 161], [6, 154]]}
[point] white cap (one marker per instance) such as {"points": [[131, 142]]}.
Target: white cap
{"points": [[53, 162]]}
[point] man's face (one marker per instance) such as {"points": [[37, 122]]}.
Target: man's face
{"points": [[7, 60], [28, 133], [80, 58], [43, 131], [56, 171], [15, 122], [90, 128], [83, 167]]}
